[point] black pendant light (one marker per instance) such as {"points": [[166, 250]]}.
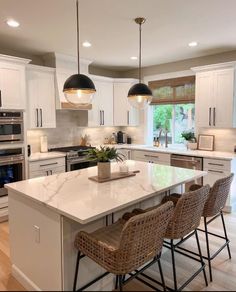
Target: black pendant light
{"points": [[140, 94], [79, 88]]}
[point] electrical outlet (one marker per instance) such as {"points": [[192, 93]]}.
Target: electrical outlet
{"points": [[37, 233]]}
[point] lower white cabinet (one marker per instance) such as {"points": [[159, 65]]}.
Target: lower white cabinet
{"points": [[151, 157], [217, 169], [47, 167]]}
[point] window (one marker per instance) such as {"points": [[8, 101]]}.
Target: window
{"points": [[173, 107], [175, 118]]}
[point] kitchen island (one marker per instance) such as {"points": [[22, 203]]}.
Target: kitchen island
{"points": [[46, 213]]}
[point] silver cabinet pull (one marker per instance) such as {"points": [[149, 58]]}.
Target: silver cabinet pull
{"points": [[210, 116], [151, 156], [41, 116], [48, 164], [216, 171], [214, 116], [103, 119], [47, 172], [37, 117], [216, 164], [0, 98], [128, 117], [100, 118]]}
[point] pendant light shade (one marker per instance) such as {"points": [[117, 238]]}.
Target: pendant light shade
{"points": [[79, 88], [140, 95]]}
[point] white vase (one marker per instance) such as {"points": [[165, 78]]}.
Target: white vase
{"points": [[192, 146], [104, 170]]}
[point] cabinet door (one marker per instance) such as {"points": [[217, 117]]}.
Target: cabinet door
{"points": [[46, 102], [12, 86], [204, 99], [102, 105], [124, 114], [41, 97], [213, 175], [106, 102], [223, 98]]}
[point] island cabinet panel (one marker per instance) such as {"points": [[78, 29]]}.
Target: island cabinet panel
{"points": [[89, 270], [35, 242]]}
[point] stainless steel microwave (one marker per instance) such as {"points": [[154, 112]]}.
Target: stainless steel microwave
{"points": [[11, 127]]}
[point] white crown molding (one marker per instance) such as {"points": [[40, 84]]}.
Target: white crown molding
{"points": [[12, 59], [214, 66], [39, 68]]}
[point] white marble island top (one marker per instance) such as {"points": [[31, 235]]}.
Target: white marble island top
{"points": [[73, 195]]}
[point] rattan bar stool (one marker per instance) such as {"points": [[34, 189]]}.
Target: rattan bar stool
{"points": [[214, 208], [125, 246], [182, 226]]}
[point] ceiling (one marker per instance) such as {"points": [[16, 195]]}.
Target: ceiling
{"points": [[49, 26]]}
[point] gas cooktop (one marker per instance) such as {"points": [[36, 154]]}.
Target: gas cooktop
{"points": [[73, 152]]}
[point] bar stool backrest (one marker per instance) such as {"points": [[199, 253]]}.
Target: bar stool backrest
{"points": [[218, 196], [142, 237], [187, 213]]}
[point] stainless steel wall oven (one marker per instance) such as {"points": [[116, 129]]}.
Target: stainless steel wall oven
{"points": [[11, 127]]}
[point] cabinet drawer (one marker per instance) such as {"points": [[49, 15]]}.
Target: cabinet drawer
{"points": [[216, 164], [46, 164], [151, 156], [41, 173]]}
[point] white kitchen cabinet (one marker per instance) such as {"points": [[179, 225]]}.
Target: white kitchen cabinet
{"points": [[47, 167], [12, 86], [102, 105], [41, 97], [217, 169], [215, 99], [124, 113], [151, 157]]}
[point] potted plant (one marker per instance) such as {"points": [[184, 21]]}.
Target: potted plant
{"points": [[104, 155], [191, 141]]}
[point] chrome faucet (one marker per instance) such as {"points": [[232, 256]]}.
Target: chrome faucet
{"points": [[166, 139]]}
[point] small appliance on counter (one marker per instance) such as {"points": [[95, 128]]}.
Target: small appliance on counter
{"points": [[121, 138], [129, 140], [44, 144]]}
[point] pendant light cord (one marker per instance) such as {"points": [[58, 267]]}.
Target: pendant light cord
{"points": [[140, 51], [78, 41]]}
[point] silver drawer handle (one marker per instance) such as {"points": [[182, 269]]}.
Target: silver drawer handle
{"points": [[49, 164], [216, 164], [216, 171], [152, 156]]}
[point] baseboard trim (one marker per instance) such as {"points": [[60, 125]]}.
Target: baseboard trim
{"points": [[24, 280]]}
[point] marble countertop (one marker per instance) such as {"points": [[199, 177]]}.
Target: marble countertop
{"points": [[44, 156], [73, 195], [179, 150]]}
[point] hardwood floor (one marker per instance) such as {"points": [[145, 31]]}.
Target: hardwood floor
{"points": [[224, 270]]}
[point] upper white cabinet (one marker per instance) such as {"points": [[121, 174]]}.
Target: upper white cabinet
{"points": [[215, 99], [101, 113], [124, 114], [12, 84], [41, 97]]}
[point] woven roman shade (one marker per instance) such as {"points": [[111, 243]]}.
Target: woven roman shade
{"points": [[173, 91]]}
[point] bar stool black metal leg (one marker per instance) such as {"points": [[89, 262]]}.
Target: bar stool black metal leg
{"points": [[161, 274], [116, 286], [120, 282], [201, 258], [208, 248], [225, 232], [76, 271], [173, 263]]}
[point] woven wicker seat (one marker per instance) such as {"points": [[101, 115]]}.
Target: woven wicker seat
{"points": [[185, 221], [125, 246], [213, 208]]}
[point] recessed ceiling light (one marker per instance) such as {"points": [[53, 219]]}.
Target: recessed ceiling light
{"points": [[12, 23], [134, 58], [87, 44], [193, 44]]}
